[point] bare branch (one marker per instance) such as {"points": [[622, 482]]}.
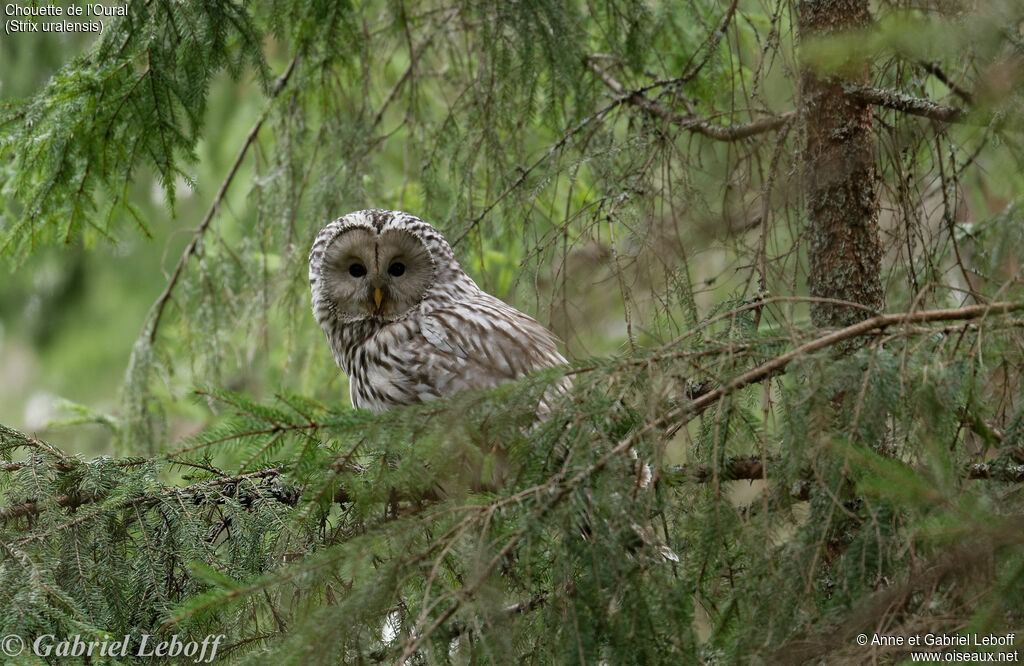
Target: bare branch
{"points": [[752, 468], [936, 71], [709, 45], [917, 106]]}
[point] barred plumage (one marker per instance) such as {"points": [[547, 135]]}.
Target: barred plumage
{"points": [[404, 321]]}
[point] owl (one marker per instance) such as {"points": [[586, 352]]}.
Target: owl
{"points": [[405, 322]]}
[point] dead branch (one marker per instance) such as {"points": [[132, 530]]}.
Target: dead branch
{"points": [[752, 468], [917, 106], [935, 70]]}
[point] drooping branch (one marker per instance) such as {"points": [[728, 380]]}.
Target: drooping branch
{"points": [[691, 123], [638, 98], [415, 52], [156, 311]]}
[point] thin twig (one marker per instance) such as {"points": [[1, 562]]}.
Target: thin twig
{"points": [[414, 56], [524, 173], [709, 45]]}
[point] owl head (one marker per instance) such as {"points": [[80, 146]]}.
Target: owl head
{"points": [[376, 266]]}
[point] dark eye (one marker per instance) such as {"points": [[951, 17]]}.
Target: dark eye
{"points": [[396, 269], [357, 270]]}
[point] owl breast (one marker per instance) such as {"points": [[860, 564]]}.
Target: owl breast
{"points": [[460, 346], [389, 370]]}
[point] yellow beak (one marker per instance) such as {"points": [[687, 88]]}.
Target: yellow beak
{"points": [[377, 297]]}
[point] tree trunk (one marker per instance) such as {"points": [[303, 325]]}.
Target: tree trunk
{"points": [[839, 173]]}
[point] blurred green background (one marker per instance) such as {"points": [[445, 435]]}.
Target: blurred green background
{"points": [[70, 314]]}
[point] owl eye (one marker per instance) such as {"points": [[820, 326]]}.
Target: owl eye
{"points": [[396, 269], [357, 270]]}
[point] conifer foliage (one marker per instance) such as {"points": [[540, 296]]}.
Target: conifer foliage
{"points": [[796, 412]]}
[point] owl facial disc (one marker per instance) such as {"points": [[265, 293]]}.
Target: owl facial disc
{"points": [[376, 275]]}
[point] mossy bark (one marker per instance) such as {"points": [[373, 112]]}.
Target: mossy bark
{"points": [[839, 172]]}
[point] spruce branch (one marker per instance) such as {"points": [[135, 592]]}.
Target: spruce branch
{"points": [[778, 364], [686, 412], [137, 97], [35, 507], [10, 438], [76, 500]]}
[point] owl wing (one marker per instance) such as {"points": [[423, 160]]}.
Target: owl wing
{"points": [[485, 342]]}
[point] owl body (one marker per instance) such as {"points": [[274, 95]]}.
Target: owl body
{"points": [[405, 322]]}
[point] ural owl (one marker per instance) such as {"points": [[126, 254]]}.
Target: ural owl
{"points": [[404, 321]]}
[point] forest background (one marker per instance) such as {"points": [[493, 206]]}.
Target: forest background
{"points": [[780, 240]]}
